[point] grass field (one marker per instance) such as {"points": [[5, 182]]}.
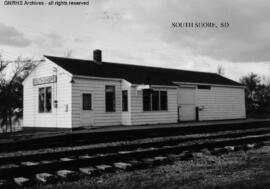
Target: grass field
{"points": [[247, 170]]}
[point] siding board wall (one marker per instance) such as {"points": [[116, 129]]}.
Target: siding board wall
{"points": [[221, 103], [101, 117], [59, 117], [140, 117]]}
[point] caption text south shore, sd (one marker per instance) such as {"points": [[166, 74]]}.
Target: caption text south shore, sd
{"points": [[45, 3]]}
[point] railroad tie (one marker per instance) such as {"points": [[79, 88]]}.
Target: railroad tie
{"points": [[9, 166], [45, 178], [151, 148], [166, 146], [68, 174], [29, 163], [230, 148], [140, 150], [91, 171], [85, 157], [66, 159], [22, 181], [124, 152], [123, 165], [105, 168], [48, 161], [250, 146]]}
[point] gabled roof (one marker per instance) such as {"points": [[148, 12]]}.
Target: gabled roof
{"points": [[137, 74]]}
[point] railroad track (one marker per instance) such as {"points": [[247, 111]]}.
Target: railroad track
{"points": [[111, 148], [130, 155], [93, 137]]}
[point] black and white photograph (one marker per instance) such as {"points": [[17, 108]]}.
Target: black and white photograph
{"points": [[124, 94]]}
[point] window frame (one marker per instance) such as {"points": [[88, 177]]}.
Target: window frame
{"points": [[146, 95], [45, 99], [113, 97], [151, 100], [91, 102], [155, 100], [124, 101]]}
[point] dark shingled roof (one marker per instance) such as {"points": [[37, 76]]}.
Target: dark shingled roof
{"points": [[138, 74]]}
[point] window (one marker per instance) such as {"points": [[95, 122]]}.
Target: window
{"points": [[146, 100], [41, 99], [124, 100], [163, 100], [204, 87], [48, 98], [45, 99], [155, 100], [110, 98], [87, 101]]}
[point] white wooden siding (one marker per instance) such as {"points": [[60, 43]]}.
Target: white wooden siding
{"points": [[59, 117], [221, 103], [140, 117], [218, 103], [101, 117], [28, 103]]}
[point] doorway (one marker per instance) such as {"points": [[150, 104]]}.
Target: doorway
{"points": [[186, 104], [86, 115]]}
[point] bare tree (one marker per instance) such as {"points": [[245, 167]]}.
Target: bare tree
{"points": [[11, 89], [251, 82], [3, 64], [257, 94]]}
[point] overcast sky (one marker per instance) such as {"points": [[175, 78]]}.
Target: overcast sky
{"points": [[141, 32]]}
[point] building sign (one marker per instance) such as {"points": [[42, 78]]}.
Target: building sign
{"points": [[45, 80]]}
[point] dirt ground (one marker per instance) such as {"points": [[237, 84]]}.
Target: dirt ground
{"points": [[247, 170]]}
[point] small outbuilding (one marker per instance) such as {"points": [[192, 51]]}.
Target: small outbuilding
{"points": [[71, 93]]}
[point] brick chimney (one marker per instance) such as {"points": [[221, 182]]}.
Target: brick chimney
{"points": [[97, 55]]}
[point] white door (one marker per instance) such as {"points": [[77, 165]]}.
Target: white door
{"points": [[186, 104], [87, 118]]}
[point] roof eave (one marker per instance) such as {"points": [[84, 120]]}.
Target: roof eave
{"points": [[212, 84]]}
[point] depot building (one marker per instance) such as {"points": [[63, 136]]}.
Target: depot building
{"points": [[71, 93]]}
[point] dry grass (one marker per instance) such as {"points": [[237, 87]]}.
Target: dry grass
{"points": [[234, 170]]}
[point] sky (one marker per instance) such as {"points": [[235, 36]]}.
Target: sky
{"points": [[141, 32]]}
